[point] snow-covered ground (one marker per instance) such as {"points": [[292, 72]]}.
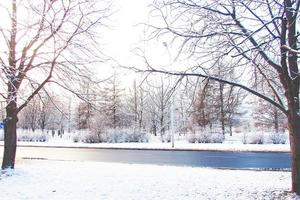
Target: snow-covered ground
{"points": [[231, 143], [60, 180]]}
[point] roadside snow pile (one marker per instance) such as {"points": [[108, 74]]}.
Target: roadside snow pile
{"points": [[58, 180]]}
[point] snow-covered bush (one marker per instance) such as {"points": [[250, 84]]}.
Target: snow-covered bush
{"points": [[192, 138], [117, 136], [203, 137], [114, 136], [76, 138], [92, 138], [126, 135], [255, 138], [32, 136], [278, 138], [206, 137], [136, 136], [217, 138], [166, 138]]}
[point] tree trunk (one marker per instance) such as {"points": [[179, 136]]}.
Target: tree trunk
{"points": [[276, 121], [10, 136], [222, 117], [294, 130]]}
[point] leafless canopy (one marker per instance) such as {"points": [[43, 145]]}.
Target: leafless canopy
{"points": [[261, 34], [47, 41]]}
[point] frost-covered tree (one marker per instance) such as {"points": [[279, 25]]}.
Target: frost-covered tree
{"points": [[249, 34], [43, 42], [269, 119], [111, 102], [158, 104], [136, 104], [30, 115]]}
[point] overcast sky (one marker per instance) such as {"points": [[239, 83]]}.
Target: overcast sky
{"points": [[126, 30]]}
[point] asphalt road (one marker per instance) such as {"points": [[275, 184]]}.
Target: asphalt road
{"points": [[215, 159]]}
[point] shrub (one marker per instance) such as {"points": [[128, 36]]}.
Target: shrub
{"points": [[203, 137], [92, 138], [166, 138], [217, 138], [192, 138], [76, 138], [32, 137], [278, 138], [117, 136], [136, 136], [256, 138], [206, 137]]}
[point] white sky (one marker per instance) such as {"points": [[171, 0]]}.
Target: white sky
{"points": [[127, 33], [126, 30]]}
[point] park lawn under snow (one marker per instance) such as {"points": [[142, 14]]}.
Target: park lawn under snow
{"points": [[35, 180], [231, 143]]}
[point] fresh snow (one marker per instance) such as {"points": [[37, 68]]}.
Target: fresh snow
{"points": [[231, 143], [57, 180]]}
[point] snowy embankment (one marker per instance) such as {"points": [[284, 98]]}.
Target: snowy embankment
{"points": [[179, 145], [58, 180]]}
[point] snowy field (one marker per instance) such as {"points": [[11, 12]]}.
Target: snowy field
{"points": [[231, 143], [60, 180]]}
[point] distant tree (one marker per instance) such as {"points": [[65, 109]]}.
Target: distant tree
{"points": [[84, 115], [158, 104], [268, 119], [137, 102], [111, 103], [183, 106], [47, 110], [233, 103], [30, 115], [203, 107]]}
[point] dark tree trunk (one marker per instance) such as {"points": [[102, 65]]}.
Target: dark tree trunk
{"points": [[292, 92], [10, 126], [294, 129], [276, 120], [10, 136]]}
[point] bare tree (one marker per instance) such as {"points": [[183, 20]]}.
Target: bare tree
{"points": [[29, 116], [46, 107], [137, 104], [53, 41], [111, 103], [159, 95], [252, 34], [269, 119], [85, 108], [203, 106]]}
